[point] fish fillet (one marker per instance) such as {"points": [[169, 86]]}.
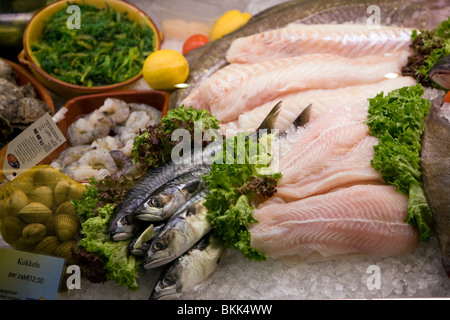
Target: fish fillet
{"points": [[322, 100], [352, 168], [349, 40], [238, 88], [323, 142], [362, 219]]}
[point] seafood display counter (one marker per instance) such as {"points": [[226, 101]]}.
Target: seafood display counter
{"points": [[272, 150]]}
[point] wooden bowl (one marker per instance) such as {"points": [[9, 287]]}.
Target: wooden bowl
{"points": [[83, 105]]}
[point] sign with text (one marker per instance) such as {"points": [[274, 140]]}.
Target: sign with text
{"points": [[29, 276]]}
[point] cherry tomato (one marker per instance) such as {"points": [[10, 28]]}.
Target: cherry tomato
{"points": [[194, 41], [447, 97]]}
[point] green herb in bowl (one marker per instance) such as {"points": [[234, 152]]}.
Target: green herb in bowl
{"points": [[109, 48]]}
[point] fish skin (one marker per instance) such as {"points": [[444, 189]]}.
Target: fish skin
{"points": [[185, 228], [207, 59], [349, 40], [362, 219], [440, 72], [122, 221], [166, 200], [435, 162], [189, 269]]}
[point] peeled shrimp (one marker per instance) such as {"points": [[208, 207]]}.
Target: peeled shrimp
{"points": [[72, 154], [137, 120], [85, 130], [155, 114], [114, 111], [99, 160], [107, 143]]}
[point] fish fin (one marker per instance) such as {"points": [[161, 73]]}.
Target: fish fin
{"points": [[269, 120], [303, 118]]}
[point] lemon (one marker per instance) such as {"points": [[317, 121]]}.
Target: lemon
{"points": [[163, 69], [228, 22]]}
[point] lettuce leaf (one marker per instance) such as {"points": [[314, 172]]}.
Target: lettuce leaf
{"points": [[235, 181], [397, 120]]}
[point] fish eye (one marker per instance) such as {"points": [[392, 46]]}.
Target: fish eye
{"points": [[159, 245], [169, 280], [155, 202]]}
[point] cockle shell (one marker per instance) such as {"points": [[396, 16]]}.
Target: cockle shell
{"points": [[34, 232], [22, 244], [67, 208], [46, 176], [64, 250], [35, 212], [47, 245], [17, 201], [44, 195], [62, 190], [66, 226], [11, 229]]}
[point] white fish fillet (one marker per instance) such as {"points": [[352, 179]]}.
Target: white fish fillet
{"points": [[349, 40], [352, 168], [238, 88], [362, 219], [323, 142], [322, 100]]}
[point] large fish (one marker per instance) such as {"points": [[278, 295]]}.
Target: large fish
{"points": [[190, 269], [440, 72], [435, 159], [186, 227], [207, 59]]}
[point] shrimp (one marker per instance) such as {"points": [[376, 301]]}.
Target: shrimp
{"points": [[107, 143], [85, 130], [128, 148], [99, 160], [155, 114], [73, 154], [115, 111], [137, 120]]}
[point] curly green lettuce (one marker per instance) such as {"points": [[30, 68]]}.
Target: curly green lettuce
{"points": [[234, 185], [397, 120]]}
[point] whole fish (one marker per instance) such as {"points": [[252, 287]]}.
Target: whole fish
{"points": [[207, 59], [186, 227], [435, 161], [189, 269], [166, 200], [440, 72]]}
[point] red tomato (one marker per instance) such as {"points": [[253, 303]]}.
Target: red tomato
{"points": [[447, 97], [194, 41]]}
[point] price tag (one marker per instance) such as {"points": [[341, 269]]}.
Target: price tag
{"points": [[30, 147], [29, 276]]}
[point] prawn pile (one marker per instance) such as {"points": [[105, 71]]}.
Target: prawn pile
{"points": [[101, 142]]}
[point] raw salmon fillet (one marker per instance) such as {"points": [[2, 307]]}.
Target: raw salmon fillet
{"points": [[238, 88], [362, 219], [322, 100], [349, 40]]}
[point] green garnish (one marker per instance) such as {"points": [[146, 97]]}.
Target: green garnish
{"points": [[108, 48], [397, 120], [429, 47], [153, 146], [235, 182]]}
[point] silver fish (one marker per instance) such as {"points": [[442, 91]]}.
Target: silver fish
{"points": [[190, 269], [440, 72], [166, 200], [122, 225], [186, 227]]}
